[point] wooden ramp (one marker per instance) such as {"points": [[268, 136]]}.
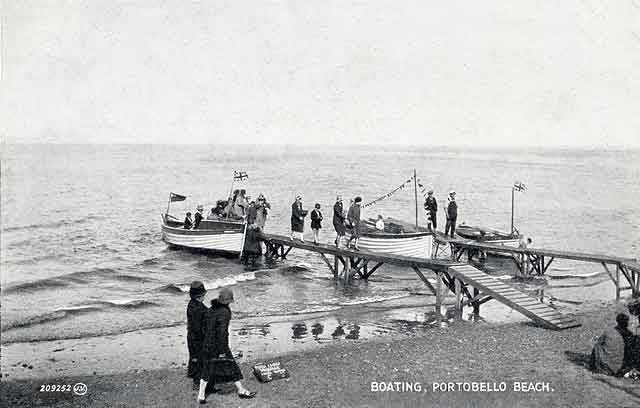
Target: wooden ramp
{"points": [[513, 298]]}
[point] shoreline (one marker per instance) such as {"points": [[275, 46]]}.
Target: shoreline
{"points": [[341, 373]]}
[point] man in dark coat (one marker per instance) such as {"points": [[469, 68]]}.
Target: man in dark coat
{"points": [[338, 220], [196, 313], [297, 218], [452, 215], [431, 205], [219, 366], [252, 213], [353, 218]]}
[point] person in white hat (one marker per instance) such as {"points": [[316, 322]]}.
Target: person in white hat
{"points": [[452, 214], [297, 219]]}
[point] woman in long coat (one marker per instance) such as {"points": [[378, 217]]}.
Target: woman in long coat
{"points": [[338, 220], [263, 209], [196, 314], [218, 364], [297, 218]]}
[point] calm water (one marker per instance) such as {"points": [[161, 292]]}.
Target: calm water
{"points": [[82, 253]]}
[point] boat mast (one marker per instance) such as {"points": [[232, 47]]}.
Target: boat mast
{"points": [[513, 189], [415, 194]]}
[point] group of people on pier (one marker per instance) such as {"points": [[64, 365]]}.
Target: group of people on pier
{"points": [[343, 221], [431, 207], [210, 359]]}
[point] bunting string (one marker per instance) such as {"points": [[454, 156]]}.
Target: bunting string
{"points": [[390, 193]]}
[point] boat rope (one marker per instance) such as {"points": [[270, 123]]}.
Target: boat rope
{"points": [[390, 193]]}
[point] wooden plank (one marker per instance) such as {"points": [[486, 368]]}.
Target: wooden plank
{"points": [[424, 279], [324, 258]]}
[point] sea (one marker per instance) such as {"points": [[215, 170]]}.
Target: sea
{"points": [[82, 252]]}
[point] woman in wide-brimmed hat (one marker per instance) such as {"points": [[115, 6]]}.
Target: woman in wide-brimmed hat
{"points": [[219, 366], [196, 314]]}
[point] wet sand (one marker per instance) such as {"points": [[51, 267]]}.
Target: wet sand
{"points": [[340, 374]]}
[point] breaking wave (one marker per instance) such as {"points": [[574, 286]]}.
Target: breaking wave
{"points": [[209, 284], [81, 277]]}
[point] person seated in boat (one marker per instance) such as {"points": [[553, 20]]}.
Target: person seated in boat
{"points": [[380, 223], [188, 222], [262, 210], [353, 218], [198, 217], [612, 352]]}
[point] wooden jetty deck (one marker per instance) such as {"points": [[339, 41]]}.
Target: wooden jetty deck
{"points": [[537, 260], [471, 286]]}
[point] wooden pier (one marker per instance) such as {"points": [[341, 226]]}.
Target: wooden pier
{"points": [[537, 260], [471, 286]]}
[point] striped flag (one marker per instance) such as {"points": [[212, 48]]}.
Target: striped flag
{"points": [[173, 197], [518, 186], [240, 175]]}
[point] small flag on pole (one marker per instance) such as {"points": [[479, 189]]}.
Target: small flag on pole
{"points": [[518, 186], [176, 197], [240, 175]]}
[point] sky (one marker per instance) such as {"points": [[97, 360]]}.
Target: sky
{"points": [[463, 73]]}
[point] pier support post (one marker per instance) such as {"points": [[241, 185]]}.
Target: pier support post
{"points": [[439, 296], [458, 286], [617, 282], [347, 270], [335, 267], [476, 305]]}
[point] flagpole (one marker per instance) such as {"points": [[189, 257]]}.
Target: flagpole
{"points": [[415, 191]]}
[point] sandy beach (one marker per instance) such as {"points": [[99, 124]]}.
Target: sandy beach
{"points": [[431, 368]]}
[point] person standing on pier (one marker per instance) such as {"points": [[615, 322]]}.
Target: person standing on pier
{"points": [[262, 207], [431, 205], [252, 212], [338, 220], [452, 214], [316, 223], [196, 314], [297, 218], [353, 218]]}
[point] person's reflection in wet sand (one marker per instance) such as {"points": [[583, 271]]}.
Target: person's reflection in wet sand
{"points": [[317, 330], [354, 333], [299, 330]]}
